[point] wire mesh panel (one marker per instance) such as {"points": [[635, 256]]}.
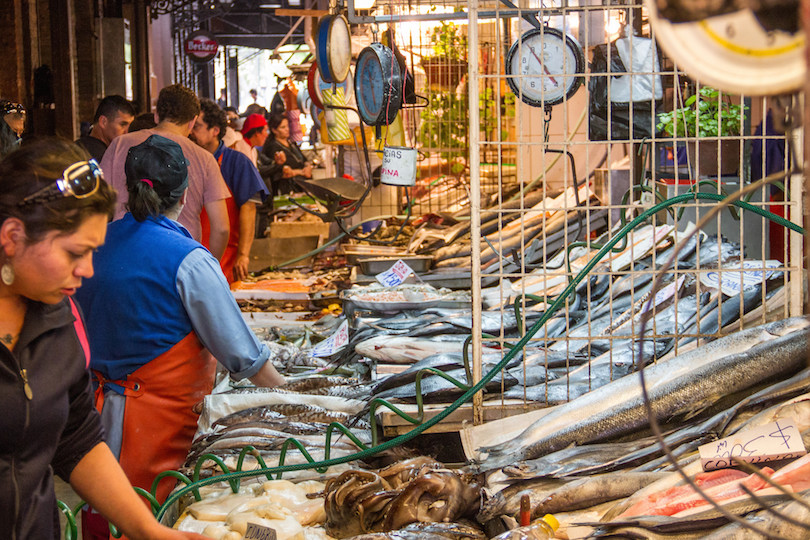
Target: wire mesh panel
{"points": [[583, 126]]}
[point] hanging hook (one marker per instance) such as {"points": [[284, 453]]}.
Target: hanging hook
{"points": [[546, 122]]}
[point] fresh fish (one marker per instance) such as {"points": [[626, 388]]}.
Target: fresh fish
{"points": [[507, 500], [765, 520], [443, 362], [550, 394], [705, 520], [291, 411], [427, 531], [593, 490], [684, 385], [436, 389], [407, 350], [313, 383]]}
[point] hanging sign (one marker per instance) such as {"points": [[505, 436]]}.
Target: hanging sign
{"points": [[333, 343], [395, 275], [201, 46]]}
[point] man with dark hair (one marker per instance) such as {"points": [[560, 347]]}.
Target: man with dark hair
{"points": [[113, 116], [247, 188], [233, 137], [177, 110]]}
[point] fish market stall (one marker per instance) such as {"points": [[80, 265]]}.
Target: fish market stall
{"points": [[594, 322]]}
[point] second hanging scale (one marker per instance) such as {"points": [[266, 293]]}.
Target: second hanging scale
{"points": [[544, 67]]}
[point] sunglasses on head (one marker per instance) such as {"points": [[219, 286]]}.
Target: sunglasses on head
{"points": [[11, 107], [80, 180]]}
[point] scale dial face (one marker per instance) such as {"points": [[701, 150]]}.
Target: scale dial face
{"points": [[334, 49], [545, 67], [378, 85], [734, 53]]}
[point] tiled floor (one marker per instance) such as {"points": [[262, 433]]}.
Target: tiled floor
{"points": [[66, 494]]}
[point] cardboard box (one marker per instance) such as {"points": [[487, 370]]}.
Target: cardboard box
{"points": [[274, 251], [293, 229]]}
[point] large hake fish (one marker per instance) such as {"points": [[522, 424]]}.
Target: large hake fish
{"points": [[685, 384]]}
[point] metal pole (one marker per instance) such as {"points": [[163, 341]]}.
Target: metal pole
{"points": [[475, 201]]}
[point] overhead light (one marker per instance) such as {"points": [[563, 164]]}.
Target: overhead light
{"points": [[363, 4], [270, 6]]}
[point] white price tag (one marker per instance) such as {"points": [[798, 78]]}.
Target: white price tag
{"points": [[395, 275], [732, 280], [666, 293], [333, 343], [771, 442], [259, 532]]}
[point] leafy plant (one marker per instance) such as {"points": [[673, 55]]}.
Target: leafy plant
{"points": [[448, 43], [708, 116], [444, 126]]}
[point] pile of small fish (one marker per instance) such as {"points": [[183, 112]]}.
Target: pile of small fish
{"points": [[592, 341], [546, 223], [264, 418]]}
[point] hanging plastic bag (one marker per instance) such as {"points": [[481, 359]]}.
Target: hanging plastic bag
{"points": [[632, 92]]}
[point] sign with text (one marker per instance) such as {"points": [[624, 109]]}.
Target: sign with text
{"points": [[395, 275], [732, 280], [333, 343], [259, 532], [201, 46], [771, 442]]}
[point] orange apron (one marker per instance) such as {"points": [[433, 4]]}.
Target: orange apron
{"points": [[228, 259], [159, 422]]}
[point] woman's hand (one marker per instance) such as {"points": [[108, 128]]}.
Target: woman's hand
{"points": [[287, 172], [280, 158], [166, 533], [307, 171]]}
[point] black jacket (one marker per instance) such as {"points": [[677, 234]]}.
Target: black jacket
{"points": [[53, 430], [271, 171]]}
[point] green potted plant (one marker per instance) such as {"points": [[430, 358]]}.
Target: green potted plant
{"points": [[447, 63], [706, 116]]}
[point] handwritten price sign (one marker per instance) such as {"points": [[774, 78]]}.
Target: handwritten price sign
{"points": [[259, 532], [395, 275], [771, 442], [333, 343]]}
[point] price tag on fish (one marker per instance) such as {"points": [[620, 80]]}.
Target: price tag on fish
{"points": [[771, 442], [333, 343], [731, 280], [259, 532], [395, 275]]}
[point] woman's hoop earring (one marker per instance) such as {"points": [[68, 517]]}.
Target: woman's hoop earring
{"points": [[7, 274]]}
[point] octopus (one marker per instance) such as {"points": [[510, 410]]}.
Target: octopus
{"points": [[418, 490]]}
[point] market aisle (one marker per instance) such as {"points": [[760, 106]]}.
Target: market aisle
{"points": [[66, 494]]}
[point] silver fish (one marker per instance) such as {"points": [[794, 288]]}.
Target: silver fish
{"points": [[593, 490], [685, 384]]}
